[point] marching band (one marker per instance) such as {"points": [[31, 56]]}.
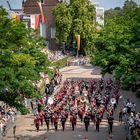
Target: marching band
{"points": [[86, 100]]}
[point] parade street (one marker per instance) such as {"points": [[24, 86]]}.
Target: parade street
{"points": [[26, 130]]}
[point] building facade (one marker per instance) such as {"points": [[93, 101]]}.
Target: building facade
{"points": [[100, 17], [30, 7]]}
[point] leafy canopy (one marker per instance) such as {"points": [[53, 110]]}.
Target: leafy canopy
{"points": [[21, 61], [116, 50], [76, 18]]}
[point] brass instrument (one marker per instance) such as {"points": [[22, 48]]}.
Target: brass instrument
{"points": [[82, 99]]}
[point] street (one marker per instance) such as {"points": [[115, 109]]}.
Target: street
{"points": [[26, 129]]}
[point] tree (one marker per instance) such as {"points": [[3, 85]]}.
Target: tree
{"points": [[21, 61], [76, 18], [115, 51], [129, 6], [111, 13], [63, 22]]}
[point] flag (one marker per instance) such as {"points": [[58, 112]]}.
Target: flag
{"points": [[37, 19], [41, 10], [78, 42], [34, 21], [16, 17]]}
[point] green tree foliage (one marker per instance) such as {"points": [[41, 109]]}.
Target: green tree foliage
{"points": [[117, 49], [63, 22], [21, 61], [111, 13], [76, 18]]}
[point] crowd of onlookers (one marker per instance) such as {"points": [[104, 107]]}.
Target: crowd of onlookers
{"points": [[54, 55], [78, 61], [7, 117], [133, 118]]}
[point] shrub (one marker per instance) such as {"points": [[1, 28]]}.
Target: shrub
{"points": [[60, 63], [24, 111]]}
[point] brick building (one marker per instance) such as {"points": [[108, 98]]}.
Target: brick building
{"points": [[31, 7]]}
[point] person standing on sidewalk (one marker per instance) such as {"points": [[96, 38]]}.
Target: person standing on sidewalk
{"points": [[14, 130], [32, 104], [120, 115]]}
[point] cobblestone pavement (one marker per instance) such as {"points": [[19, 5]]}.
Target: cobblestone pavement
{"points": [[26, 129]]}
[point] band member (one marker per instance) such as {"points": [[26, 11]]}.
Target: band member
{"points": [[47, 120], [55, 120], [41, 114], [73, 120], [37, 122], [86, 121], [97, 121], [110, 122], [80, 114], [63, 120]]}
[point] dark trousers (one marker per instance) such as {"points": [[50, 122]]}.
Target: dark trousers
{"points": [[110, 127], [81, 118], [86, 126], [41, 122], [120, 118], [63, 125], [56, 125], [47, 124], [97, 127], [73, 126], [37, 127]]}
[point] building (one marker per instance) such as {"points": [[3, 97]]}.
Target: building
{"points": [[30, 7], [100, 17]]}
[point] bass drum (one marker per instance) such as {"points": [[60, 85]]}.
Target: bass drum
{"points": [[50, 101], [113, 101]]}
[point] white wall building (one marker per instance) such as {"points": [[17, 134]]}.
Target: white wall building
{"points": [[100, 16]]}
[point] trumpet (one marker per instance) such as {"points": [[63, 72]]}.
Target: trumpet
{"points": [[82, 99]]}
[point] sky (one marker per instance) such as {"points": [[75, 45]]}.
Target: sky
{"points": [[107, 4]]}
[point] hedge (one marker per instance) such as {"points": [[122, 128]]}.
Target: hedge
{"points": [[60, 63]]}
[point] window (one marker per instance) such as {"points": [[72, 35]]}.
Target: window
{"points": [[53, 31]]}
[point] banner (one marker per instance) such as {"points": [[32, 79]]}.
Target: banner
{"points": [[34, 20], [78, 42], [41, 10]]}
